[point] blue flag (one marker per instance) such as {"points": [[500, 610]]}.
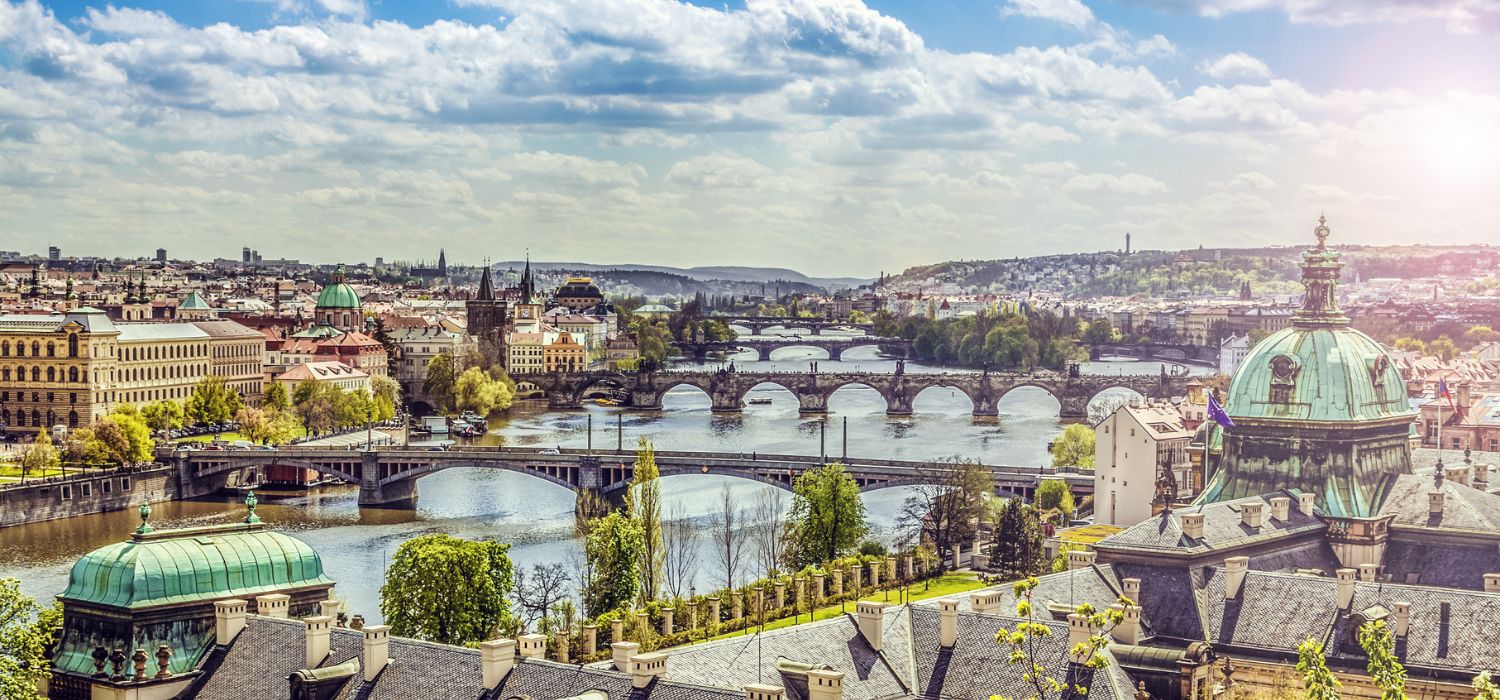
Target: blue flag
{"points": [[1216, 412]]}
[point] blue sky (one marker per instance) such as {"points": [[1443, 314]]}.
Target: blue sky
{"points": [[832, 136]]}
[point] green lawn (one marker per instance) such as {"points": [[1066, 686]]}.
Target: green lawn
{"points": [[209, 437], [945, 585], [10, 471]]}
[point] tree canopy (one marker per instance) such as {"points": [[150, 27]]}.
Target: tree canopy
{"points": [[644, 506], [827, 517], [448, 589], [26, 631], [476, 390], [213, 401], [613, 551], [1075, 447]]}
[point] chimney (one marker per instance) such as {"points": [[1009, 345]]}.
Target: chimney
{"points": [[1346, 587], [1458, 474], [1132, 589], [1234, 575], [318, 629], [1367, 572], [764, 692], [1281, 508], [1492, 583], [1250, 515], [1401, 614], [1192, 526], [620, 653], [329, 608], [229, 619], [497, 658], [1080, 559], [532, 646], [1435, 502], [273, 605], [1482, 477], [1129, 629], [377, 650], [871, 616], [1079, 633], [1307, 503], [1465, 397], [986, 603], [645, 667], [947, 623], [825, 684]]}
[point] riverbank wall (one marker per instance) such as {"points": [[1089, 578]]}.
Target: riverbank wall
{"points": [[86, 493]]}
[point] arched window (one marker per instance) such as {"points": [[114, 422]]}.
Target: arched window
{"points": [[36, 417], [51, 349], [20, 348], [5, 349], [36, 349], [51, 374], [36, 374], [72, 419], [72, 345], [72, 374]]}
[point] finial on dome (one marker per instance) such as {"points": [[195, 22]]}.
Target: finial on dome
{"points": [[1322, 231], [145, 512], [250, 501]]}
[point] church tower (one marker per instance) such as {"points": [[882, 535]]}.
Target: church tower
{"points": [[486, 316]]}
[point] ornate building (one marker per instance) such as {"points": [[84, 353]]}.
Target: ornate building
{"points": [[487, 318], [338, 308]]}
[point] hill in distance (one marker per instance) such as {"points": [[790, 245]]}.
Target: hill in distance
{"points": [[704, 274]]}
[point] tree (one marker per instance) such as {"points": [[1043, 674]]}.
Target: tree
{"points": [[438, 383], [475, 390], [317, 405], [1443, 348], [1317, 680], [612, 551], [1099, 332], [947, 511], [447, 589], [1054, 494], [254, 424], [768, 531], [387, 393], [1023, 643], [163, 415], [27, 631], [40, 456], [680, 545], [113, 445], [728, 541], [213, 401], [1385, 668], [276, 398], [1075, 448], [139, 445], [1484, 688], [538, 591], [1019, 546], [644, 505], [827, 518]]}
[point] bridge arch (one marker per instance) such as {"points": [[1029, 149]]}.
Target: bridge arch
{"points": [[829, 353], [615, 380], [885, 402], [1011, 393], [564, 475], [933, 394]]}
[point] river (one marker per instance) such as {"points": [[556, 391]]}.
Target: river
{"points": [[536, 517]]}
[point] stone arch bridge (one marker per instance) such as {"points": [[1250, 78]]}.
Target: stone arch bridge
{"points": [[387, 476], [814, 326], [727, 388], [763, 347]]}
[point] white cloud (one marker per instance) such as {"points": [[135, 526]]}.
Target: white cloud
{"points": [[1235, 66], [1073, 13], [1462, 16], [1129, 184]]}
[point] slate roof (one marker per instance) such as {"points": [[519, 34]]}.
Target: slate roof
{"points": [[1096, 585], [740, 661], [257, 663], [1449, 565], [1223, 527], [1273, 611], [1168, 599], [1464, 507], [1466, 642]]}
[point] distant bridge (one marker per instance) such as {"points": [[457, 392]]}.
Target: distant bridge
{"points": [[813, 326], [699, 349], [727, 389], [1197, 354], [387, 476]]}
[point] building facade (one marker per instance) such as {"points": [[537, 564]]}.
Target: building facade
{"points": [[1134, 448]]}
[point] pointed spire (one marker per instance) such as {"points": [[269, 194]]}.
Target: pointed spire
{"points": [[486, 288], [526, 285], [1320, 277]]}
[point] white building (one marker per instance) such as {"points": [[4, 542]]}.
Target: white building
{"points": [[415, 348], [339, 374], [1129, 448], [1232, 352]]}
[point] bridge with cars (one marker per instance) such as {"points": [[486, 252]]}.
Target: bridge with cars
{"points": [[834, 346], [727, 388], [387, 476]]}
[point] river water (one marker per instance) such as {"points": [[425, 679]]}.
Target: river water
{"points": [[536, 517]]}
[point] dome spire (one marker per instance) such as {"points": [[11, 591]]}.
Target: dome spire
{"points": [[1320, 277]]}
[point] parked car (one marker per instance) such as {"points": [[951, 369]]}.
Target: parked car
{"points": [[549, 451]]}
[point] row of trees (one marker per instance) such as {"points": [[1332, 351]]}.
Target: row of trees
{"points": [[1446, 347], [993, 337]]}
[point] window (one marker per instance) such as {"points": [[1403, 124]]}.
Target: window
{"points": [[85, 489], [124, 483], [66, 492], [105, 485], [72, 374], [72, 345]]}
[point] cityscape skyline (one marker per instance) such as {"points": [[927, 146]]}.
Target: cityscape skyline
{"points": [[628, 131]]}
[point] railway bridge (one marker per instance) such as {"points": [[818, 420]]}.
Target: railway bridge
{"points": [[387, 476], [727, 388]]}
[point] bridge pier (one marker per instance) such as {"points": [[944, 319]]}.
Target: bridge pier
{"points": [[986, 406], [899, 405], [812, 404], [765, 352], [372, 494], [727, 403], [645, 400], [836, 353], [1074, 410]]}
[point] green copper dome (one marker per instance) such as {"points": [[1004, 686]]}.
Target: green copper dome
{"points": [[1318, 374], [338, 294], [186, 566]]}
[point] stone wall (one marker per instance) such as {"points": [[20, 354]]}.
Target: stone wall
{"points": [[94, 492]]}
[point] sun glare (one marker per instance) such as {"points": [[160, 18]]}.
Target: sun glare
{"points": [[1460, 144]]}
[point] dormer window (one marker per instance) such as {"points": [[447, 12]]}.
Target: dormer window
{"points": [[1284, 370]]}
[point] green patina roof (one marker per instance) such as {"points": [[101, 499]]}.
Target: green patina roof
{"points": [[200, 564], [338, 296], [1335, 378], [194, 301]]}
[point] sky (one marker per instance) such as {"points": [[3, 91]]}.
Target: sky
{"points": [[835, 137]]}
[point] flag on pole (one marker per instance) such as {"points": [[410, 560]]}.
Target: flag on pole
{"points": [[1216, 412], [1443, 392]]}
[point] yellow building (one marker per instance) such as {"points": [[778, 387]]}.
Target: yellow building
{"points": [[565, 352]]}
